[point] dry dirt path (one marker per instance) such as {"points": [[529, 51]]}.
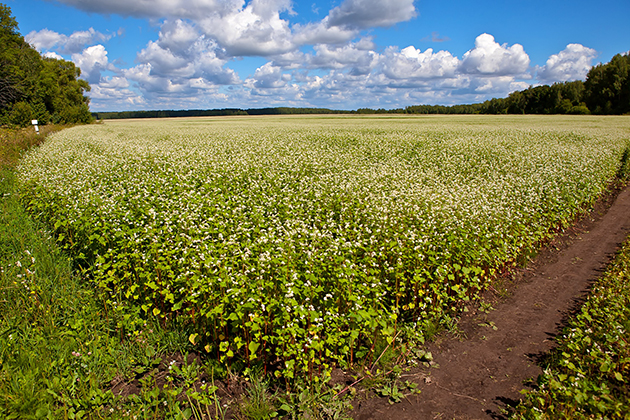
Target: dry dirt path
{"points": [[479, 376]]}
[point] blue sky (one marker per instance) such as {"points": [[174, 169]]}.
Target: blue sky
{"points": [[340, 54]]}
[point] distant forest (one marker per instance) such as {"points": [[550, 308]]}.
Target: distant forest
{"points": [[605, 91], [213, 112]]}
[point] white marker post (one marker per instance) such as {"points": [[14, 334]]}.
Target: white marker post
{"points": [[34, 122]]}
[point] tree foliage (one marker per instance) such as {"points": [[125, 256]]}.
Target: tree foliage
{"points": [[34, 87], [607, 87]]}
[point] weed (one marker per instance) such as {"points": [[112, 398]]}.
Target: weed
{"points": [[259, 403]]}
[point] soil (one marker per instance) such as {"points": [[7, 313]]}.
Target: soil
{"points": [[479, 373]]}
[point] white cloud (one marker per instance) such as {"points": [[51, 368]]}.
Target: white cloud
{"points": [[345, 22], [188, 62], [359, 57], [490, 58], [500, 86], [53, 55], [182, 53], [181, 65], [46, 40], [114, 93], [255, 30], [150, 84], [177, 35], [354, 74], [572, 63], [255, 27], [164, 62], [411, 63], [268, 76], [92, 61], [323, 33]]}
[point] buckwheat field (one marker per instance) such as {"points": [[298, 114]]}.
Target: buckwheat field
{"points": [[303, 243]]}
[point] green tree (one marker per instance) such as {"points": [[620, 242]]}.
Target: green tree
{"points": [[61, 90], [9, 47], [607, 86], [45, 89]]}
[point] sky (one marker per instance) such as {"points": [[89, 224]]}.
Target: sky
{"points": [[337, 54]]}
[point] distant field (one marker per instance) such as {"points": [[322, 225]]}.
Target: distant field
{"points": [[303, 241]]}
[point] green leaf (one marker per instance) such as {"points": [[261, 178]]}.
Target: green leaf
{"points": [[253, 346]]}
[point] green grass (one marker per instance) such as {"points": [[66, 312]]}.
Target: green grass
{"points": [[588, 374], [59, 349]]}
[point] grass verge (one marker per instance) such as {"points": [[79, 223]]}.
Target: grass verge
{"points": [[59, 351], [588, 374]]}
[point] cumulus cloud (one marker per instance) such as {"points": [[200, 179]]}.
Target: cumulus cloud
{"points": [[54, 55], [358, 57], [411, 63], [572, 63], [268, 76], [116, 93], [177, 35], [92, 61], [164, 62], [180, 66], [46, 40], [346, 21], [490, 58], [325, 62], [355, 73], [256, 29], [322, 33], [181, 52]]}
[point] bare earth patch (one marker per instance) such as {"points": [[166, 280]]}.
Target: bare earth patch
{"points": [[480, 376]]}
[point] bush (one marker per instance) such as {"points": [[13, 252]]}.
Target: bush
{"points": [[21, 115]]}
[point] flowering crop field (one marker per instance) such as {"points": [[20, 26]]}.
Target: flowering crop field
{"points": [[306, 242]]}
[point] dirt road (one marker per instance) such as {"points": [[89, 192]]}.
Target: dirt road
{"points": [[480, 375]]}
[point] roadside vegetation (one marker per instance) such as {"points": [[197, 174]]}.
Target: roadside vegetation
{"points": [[587, 376]]}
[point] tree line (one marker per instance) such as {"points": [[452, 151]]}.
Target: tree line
{"points": [[214, 112], [33, 87]]}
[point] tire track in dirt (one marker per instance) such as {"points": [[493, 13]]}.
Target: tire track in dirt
{"points": [[479, 376]]}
